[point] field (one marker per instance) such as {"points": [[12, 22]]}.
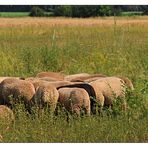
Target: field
{"points": [[111, 46], [14, 14]]}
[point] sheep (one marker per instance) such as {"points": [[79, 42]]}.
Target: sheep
{"points": [[127, 82], [51, 75], [82, 77], [88, 88], [96, 92], [6, 114], [58, 84], [107, 89], [73, 76], [3, 78], [74, 99], [17, 89], [85, 86], [46, 94], [92, 79], [50, 79], [32, 78], [36, 82]]}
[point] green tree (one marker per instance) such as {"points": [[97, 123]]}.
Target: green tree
{"points": [[36, 11], [67, 11], [105, 11], [145, 10], [63, 11], [85, 11], [116, 10], [58, 11]]}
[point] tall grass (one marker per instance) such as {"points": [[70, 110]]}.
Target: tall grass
{"points": [[111, 50]]}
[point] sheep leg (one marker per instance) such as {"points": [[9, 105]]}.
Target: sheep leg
{"points": [[87, 110]]}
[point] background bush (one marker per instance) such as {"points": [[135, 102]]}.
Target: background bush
{"points": [[36, 11]]}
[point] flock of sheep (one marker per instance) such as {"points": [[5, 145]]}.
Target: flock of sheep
{"points": [[74, 92]]}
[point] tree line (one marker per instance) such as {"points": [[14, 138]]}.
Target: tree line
{"points": [[75, 10]]}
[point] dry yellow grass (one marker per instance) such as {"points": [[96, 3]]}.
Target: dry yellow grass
{"points": [[10, 22]]}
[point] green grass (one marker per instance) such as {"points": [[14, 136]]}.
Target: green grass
{"points": [[110, 50], [14, 14], [19, 14], [131, 13]]}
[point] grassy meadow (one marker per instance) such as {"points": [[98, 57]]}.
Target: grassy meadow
{"points": [[14, 14], [111, 46]]}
